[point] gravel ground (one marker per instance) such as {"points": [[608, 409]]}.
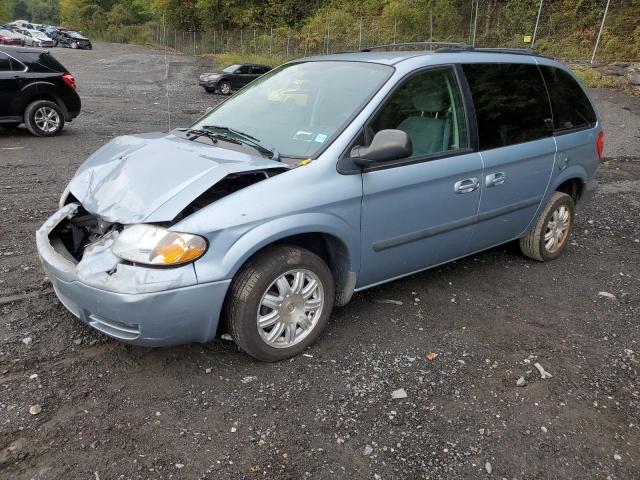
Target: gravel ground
{"points": [[111, 411]]}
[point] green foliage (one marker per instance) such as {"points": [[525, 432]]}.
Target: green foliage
{"points": [[568, 28], [231, 58], [5, 11]]}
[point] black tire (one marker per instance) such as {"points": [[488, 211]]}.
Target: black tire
{"points": [[210, 89], [254, 280], [534, 245], [30, 118], [224, 87]]}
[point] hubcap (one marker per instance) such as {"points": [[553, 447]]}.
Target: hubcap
{"points": [[557, 229], [290, 308], [47, 119], [225, 88]]}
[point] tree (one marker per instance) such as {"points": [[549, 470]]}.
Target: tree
{"points": [[21, 11], [5, 11]]}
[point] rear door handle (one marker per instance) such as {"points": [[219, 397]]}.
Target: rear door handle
{"points": [[494, 179], [467, 185]]}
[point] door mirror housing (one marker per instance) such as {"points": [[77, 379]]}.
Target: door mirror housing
{"points": [[386, 145]]}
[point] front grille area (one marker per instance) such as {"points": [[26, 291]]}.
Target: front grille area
{"points": [[72, 235]]}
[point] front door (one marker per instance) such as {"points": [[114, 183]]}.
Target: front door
{"points": [[419, 212], [515, 134], [243, 76]]}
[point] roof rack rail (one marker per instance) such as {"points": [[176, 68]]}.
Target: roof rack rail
{"points": [[515, 51], [452, 45], [445, 47]]}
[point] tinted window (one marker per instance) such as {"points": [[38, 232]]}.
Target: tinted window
{"points": [[42, 62], [256, 70], [244, 70], [5, 63], [428, 107], [511, 103], [571, 107]]}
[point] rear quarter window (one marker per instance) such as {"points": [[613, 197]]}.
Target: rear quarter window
{"points": [[511, 103], [5, 63], [42, 62], [571, 106]]}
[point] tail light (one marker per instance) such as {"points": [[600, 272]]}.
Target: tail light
{"points": [[69, 80], [600, 144]]}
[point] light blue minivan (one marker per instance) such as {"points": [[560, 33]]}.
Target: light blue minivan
{"points": [[324, 177]]}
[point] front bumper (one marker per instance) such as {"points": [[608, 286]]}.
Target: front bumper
{"points": [[137, 305], [208, 83]]}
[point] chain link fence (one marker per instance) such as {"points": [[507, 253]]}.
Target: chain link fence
{"points": [[599, 31]]}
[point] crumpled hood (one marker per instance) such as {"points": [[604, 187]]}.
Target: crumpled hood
{"points": [[153, 177]]}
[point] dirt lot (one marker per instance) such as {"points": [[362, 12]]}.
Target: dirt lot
{"points": [[111, 411]]}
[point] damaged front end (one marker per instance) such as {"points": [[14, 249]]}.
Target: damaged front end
{"points": [[111, 253], [132, 303]]}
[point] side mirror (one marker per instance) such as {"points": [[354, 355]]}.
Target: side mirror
{"points": [[386, 145]]}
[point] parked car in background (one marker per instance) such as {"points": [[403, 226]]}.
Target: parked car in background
{"points": [[22, 24], [71, 39], [266, 218], [35, 89], [36, 38], [8, 37], [232, 77]]}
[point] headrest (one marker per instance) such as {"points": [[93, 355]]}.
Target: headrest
{"points": [[430, 101]]}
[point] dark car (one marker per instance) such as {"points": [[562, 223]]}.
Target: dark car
{"points": [[231, 78], [35, 89], [72, 39]]}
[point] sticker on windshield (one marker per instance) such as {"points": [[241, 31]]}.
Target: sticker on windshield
{"points": [[320, 138]]}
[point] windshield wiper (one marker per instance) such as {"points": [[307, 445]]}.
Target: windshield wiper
{"points": [[195, 133], [247, 139]]}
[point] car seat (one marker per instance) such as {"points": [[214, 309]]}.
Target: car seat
{"points": [[430, 131]]}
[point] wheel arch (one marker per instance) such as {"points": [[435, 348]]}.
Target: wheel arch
{"points": [[43, 91], [331, 242], [571, 181]]}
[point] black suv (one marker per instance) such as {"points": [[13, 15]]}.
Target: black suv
{"points": [[35, 89], [231, 78]]}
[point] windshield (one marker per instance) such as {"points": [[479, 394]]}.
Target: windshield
{"points": [[230, 69], [299, 107]]}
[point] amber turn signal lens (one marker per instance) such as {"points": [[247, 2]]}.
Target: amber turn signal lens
{"points": [[178, 252]]}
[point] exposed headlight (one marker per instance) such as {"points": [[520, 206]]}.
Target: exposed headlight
{"points": [[153, 245]]}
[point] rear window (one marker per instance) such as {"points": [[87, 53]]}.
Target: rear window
{"points": [[511, 103], [571, 107], [42, 62]]}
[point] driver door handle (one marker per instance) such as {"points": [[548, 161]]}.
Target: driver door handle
{"points": [[467, 185]]}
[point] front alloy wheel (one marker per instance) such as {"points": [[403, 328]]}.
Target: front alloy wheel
{"points": [[290, 308], [279, 302], [225, 88]]}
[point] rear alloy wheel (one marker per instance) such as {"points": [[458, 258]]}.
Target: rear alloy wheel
{"points": [[279, 303], [225, 88], [548, 239], [74, 45], [44, 118]]}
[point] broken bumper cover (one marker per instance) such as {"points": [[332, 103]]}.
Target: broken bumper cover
{"points": [[120, 304]]}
